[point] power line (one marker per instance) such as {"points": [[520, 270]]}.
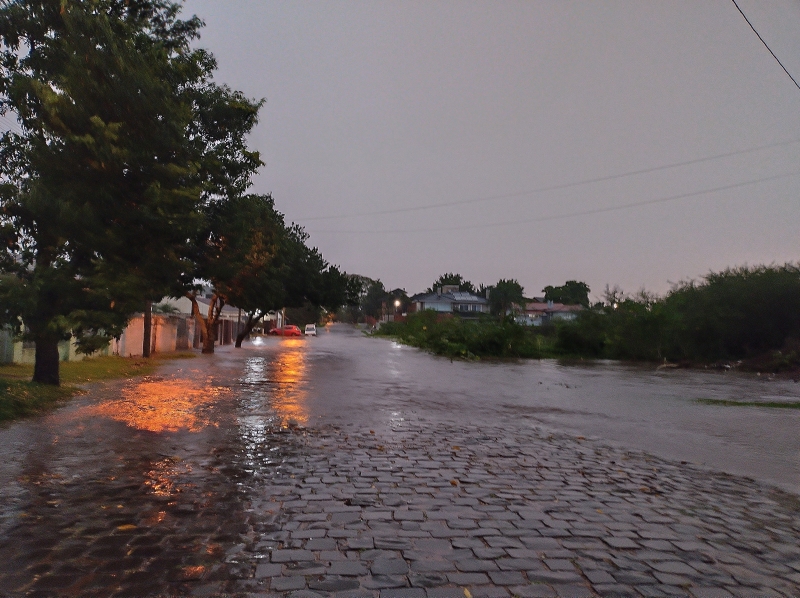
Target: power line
{"points": [[744, 16], [552, 187], [636, 204]]}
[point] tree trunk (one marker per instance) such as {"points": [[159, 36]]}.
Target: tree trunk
{"points": [[148, 328], [252, 320], [209, 339], [207, 324], [45, 369]]}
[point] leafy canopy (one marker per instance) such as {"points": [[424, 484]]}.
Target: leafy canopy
{"points": [[571, 292], [124, 140], [504, 295], [451, 278]]}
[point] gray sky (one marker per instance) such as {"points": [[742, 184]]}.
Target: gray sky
{"points": [[499, 110]]}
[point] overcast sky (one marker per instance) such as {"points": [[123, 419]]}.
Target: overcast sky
{"points": [[508, 139]]}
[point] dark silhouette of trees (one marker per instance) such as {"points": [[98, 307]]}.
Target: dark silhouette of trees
{"points": [[125, 141], [571, 292], [504, 295], [451, 278]]}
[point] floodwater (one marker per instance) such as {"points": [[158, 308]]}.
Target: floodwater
{"points": [[342, 375], [158, 483], [345, 377]]}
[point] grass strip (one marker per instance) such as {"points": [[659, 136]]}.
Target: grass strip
{"points": [[19, 397], [769, 404]]}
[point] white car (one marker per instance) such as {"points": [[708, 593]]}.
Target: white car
{"points": [[311, 330]]}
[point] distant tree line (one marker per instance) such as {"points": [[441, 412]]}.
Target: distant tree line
{"points": [[127, 180], [748, 314], [745, 313], [505, 296]]}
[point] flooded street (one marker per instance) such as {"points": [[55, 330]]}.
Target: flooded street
{"points": [[377, 381], [350, 464]]}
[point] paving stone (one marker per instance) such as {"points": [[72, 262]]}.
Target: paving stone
{"points": [[427, 580], [520, 564], [321, 544], [633, 577], [534, 590], [710, 592], [468, 579], [360, 543], [554, 577], [304, 568], [268, 570], [598, 576], [403, 593], [354, 513], [333, 584], [377, 582], [616, 542], [282, 584], [348, 568], [612, 589], [434, 592], [559, 564], [506, 578], [432, 566], [676, 567], [489, 592], [475, 565], [672, 579], [389, 567], [286, 556], [572, 589]]}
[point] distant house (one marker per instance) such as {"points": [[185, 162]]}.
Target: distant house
{"points": [[537, 313], [448, 299], [228, 325]]}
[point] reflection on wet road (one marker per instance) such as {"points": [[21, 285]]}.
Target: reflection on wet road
{"points": [[154, 485], [163, 405]]}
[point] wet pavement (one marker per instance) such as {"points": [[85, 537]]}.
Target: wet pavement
{"points": [[283, 468]]}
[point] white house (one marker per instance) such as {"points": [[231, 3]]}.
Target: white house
{"points": [[448, 299]]}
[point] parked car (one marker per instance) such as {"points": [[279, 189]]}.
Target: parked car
{"points": [[311, 330], [288, 330]]}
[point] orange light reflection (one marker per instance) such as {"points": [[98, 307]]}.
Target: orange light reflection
{"points": [[288, 372], [164, 405]]}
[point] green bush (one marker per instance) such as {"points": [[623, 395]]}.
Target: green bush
{"points": [[469, 339]]}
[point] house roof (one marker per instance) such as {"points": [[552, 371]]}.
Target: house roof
{"points": [[456, 297], [537, 307]]}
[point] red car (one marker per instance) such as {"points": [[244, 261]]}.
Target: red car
{"points": [[288, 330]]}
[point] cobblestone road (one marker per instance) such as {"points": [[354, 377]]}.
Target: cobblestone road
{"points": [[417, 507], [435, 511]]}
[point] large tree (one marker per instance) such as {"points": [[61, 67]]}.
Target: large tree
{"points": [[252, 260], [124, 137], [504, 295], [571, 292], [451, 278]]}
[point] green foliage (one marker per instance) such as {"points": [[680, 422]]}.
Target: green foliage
{"points": [[22, 399], [571, 293], [585, 337], [451, 278], [750, 313], [738, 313], [468, 339], [305, 314], [19, 398], [124, 136], [373, 297], [504, 295]]}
